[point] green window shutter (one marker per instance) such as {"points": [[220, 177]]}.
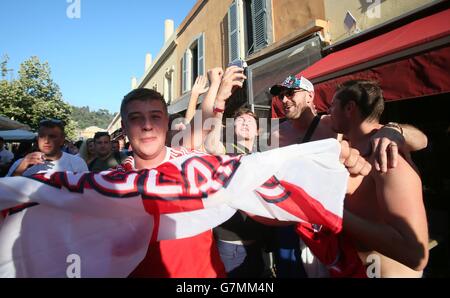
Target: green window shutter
{"points": [[259, 20]]}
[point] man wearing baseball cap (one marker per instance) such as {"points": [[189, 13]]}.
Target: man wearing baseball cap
{"points": [[293, 82], [289, 87]]}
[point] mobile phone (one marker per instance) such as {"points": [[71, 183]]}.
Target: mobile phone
{"points": [[239, 63]]}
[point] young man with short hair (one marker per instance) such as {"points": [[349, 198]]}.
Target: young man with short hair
{"points": [[386, 216], [50, 157], [242, 242], [145, 123], [106, 157], [115, 146]]}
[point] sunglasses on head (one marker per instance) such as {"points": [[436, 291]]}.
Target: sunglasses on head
{"points": [[51, 122]]}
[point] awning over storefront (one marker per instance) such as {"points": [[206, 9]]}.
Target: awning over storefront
{"points": [[17, 135], [6, 124], [410, 61]]}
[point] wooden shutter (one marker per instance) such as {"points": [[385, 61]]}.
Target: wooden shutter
{"points": [[233, 32], [201, 55], [259, 20]]}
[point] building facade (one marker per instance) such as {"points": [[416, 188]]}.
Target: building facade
{"points": [[275, 37]]}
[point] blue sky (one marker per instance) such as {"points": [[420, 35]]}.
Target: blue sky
{"points": [[94, 57]]}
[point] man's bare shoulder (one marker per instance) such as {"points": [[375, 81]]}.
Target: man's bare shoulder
{"points": [[399, 192], [403, 171]]}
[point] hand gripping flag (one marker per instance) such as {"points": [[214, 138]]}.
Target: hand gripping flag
{"points": [[108, 219]]}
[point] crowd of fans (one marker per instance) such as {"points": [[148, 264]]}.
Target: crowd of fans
{"points": [[384, 216]]}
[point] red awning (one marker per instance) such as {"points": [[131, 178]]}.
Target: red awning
{"points": [[410, 61], [417, 76]]}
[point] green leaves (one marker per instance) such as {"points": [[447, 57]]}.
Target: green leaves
{"points": [[85, 118], [34, 96], [4, 66]]}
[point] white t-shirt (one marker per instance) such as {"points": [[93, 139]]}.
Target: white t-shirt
{"points": [[5, 156], [67, 162]]}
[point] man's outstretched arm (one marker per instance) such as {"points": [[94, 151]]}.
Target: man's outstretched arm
{"points": [[199, 87]]}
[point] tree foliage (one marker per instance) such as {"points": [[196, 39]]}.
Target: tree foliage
{"points": [[85, 118], [34, 96], [4, 66]]}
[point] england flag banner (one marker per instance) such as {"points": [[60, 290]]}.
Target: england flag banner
{"points": [[107, 220]]}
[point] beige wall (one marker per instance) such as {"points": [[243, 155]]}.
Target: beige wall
{"points": [[366, 18], [209, 21], [115, 124], [159, 75], [290, 15], [287, 15]]}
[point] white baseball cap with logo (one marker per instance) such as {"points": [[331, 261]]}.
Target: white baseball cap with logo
{"points": [[292, 82]]}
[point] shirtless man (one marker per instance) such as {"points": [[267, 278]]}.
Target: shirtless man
{"points": [[385, 217]]}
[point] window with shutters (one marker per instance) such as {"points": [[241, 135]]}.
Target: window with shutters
{"points": [[193, 63], [168, 85], [168, 89], [201, 55], [184, 72], [249, 27], [259, 16], [234, 31]]}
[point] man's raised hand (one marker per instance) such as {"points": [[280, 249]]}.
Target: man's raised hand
{"points": [[232, 78]]}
